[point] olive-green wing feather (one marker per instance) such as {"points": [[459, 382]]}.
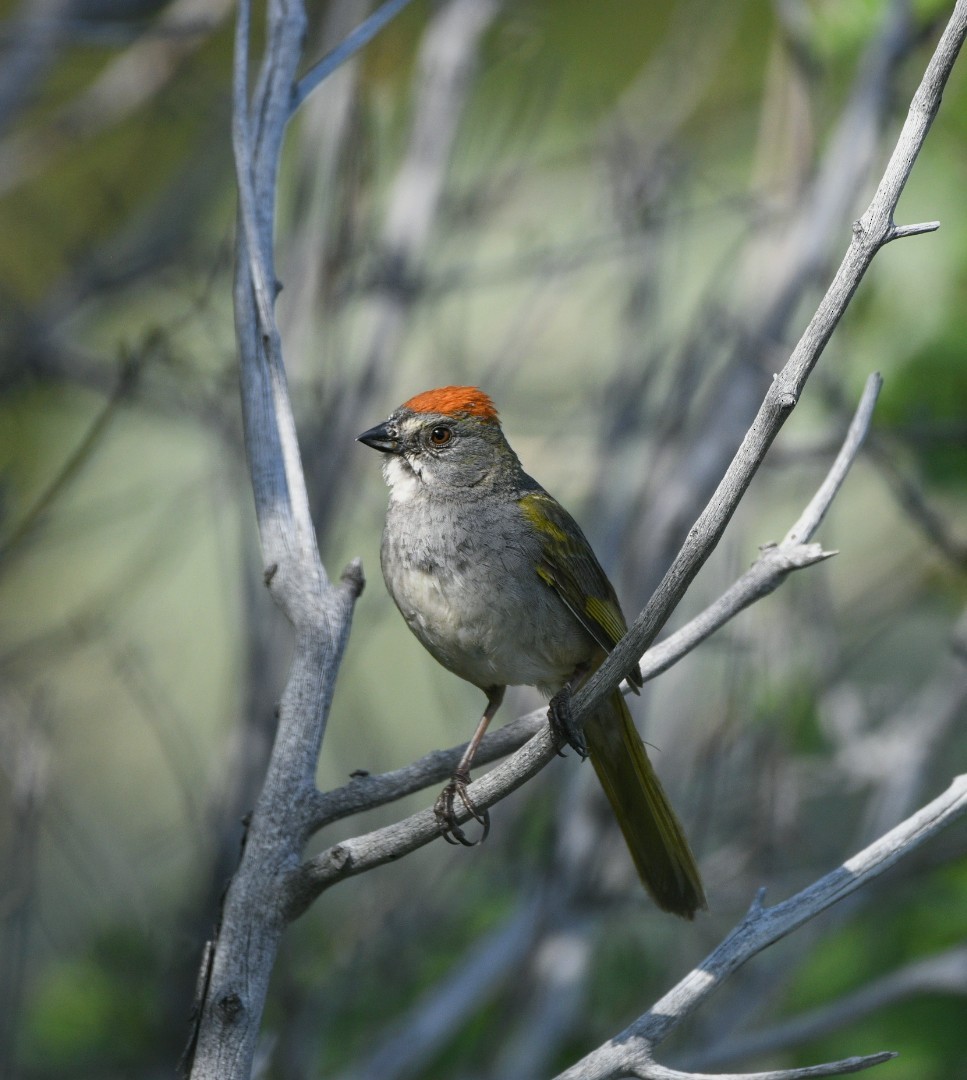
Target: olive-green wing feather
{"points": [[569, 566]]}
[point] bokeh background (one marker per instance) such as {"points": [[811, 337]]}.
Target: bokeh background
{"points": [[616, 218]]}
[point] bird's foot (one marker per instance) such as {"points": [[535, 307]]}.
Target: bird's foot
{"points": [[561, 719], [446, 809]]}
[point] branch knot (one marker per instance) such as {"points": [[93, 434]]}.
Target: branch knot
{"points": [[230, 1007]]}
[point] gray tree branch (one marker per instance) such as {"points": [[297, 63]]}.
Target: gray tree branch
{"points": [[235, 976], [345, 50], [945, 973], [630, 1052]]}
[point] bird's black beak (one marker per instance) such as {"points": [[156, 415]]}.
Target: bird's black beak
{"points": [[382, 437]]}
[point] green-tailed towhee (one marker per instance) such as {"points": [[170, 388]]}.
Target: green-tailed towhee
{"points": [[497, 580]]}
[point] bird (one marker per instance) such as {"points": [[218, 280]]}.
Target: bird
{"points": [[499, 584]]}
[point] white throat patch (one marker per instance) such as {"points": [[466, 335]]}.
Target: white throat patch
{"points": [[404, 483]]}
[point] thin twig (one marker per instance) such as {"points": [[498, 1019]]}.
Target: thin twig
{"points": [[345, 50], [812, 516], [654, 1071]]}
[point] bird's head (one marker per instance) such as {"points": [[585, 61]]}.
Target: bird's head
{"points": [[441, 441]]}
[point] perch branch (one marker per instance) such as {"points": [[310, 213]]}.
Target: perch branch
{"points": [[945, 973]]}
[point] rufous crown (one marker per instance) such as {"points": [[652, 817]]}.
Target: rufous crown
{"points": [[454, 401]]}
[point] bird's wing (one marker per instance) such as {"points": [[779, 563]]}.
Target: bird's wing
{"points": [[569, 566]]}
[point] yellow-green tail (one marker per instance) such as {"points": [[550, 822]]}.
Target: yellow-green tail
{"points": [[652, 831]]}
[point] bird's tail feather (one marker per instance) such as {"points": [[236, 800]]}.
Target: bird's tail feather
{"points": [[651, 829]]}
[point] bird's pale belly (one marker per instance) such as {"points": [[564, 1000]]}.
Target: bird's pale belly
{"points": [[490, 637]]}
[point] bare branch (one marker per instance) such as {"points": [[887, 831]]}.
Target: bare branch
{"points": [[899, 231], [365, 792], [833, 1068], [813, 515], [345, 50], [945, 973], [631, 1050], [281, 499], [253, 916]]}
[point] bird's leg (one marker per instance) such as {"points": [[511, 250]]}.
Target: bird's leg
{"points": [[559, 713], [456, 789]]}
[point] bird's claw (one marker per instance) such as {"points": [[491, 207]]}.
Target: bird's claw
{"points": [[446, 812], [562, 723]]}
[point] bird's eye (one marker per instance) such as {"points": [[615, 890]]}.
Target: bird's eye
{"points": [[440, 436]]}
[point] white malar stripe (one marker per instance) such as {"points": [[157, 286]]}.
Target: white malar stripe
{"points": [[404, 484]]}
